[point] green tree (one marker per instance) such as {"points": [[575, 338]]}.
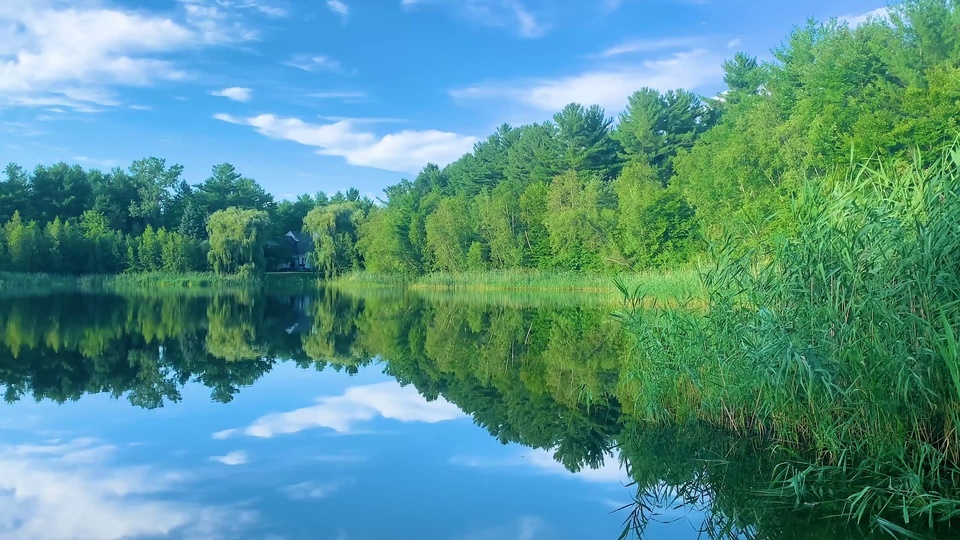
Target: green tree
{"points": [[450, 233], [25, 245], [335, 230], [237, 238], [574, 222], [585, 142], [154, 182], [14, 193], [228, 188], [149, 254], [654, 128], [655, 225], [499, 224]]}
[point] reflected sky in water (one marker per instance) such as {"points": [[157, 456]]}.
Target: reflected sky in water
{"points": [[300, 454], [345, 416]]}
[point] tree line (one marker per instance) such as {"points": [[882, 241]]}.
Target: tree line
{"points": [[66, 220], [577, 192]]}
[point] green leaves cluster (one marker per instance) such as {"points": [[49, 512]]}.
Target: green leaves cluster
{"points": [[578, 192]]}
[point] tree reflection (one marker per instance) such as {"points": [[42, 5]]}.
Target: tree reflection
{"points": [[544, 376]]}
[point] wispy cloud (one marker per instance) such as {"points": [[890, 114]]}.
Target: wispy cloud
{"points": [[527, 24], [105, 163], [362, 120], [232, 458], [55, 53], [264, 7], [340, 8], [648, 45], [236, 93], [338, 95], [314, 63], [608, 86], [497, 13], [858, 19], [357, 404]]}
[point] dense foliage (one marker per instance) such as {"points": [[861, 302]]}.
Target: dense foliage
{"points": [[66, 220], [578, 192]]}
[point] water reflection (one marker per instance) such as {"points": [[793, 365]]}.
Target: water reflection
{"points": [[547, 377], [74, 489]]}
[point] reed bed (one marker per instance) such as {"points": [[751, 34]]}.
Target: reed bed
{"points": [[839, 338], [665, 285]]}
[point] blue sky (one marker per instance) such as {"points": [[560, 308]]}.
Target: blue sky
{"points": [[312, 95]]}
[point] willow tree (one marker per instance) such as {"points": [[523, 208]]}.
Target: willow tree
{"points": [[237, 238], [335, 229]]}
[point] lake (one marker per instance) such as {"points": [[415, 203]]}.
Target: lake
{"points": [[336, 416]]}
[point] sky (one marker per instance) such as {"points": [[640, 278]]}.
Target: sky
{"points": [[312, 95]]}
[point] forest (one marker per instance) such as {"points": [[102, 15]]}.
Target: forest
{"points": [[582, 191]]}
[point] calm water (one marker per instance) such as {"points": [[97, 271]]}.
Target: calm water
{"points": [[336, 417]]}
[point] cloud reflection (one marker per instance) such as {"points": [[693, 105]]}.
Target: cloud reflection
{"points": [[525, 528], [315, 490], [72, 490], [357, 404], [542, 460]]}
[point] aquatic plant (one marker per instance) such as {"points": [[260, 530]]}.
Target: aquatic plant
{"points": [[838, 337]]}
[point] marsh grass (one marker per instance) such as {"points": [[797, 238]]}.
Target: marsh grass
{"points": [[839, 337], [15, 284], [673, 286]]}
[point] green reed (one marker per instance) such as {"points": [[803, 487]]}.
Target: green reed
{"points": [[665, 285], [838, 337]]}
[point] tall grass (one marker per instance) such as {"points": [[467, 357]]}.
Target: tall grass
{"points": [[20, 284], [664, 285], [839, 337]]}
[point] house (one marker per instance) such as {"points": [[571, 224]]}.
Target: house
{"points": [[297, 246]]}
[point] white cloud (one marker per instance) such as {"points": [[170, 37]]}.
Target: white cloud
{"points": [[345, 95], [55, 53], [357, 404], [527, 24], [218, 21], [648, 45], [498, 13], [314, 63], [225, 434], [857, 20], [259, 6], [608, 87], [610, 472], [362, 120], [232, 458], [73, 490], [340, 8], [105, 163], [404, 151], [236, 93]]}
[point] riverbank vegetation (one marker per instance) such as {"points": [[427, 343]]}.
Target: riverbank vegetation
{"points": [[677, 286], [838, 340], [579, 192]]}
